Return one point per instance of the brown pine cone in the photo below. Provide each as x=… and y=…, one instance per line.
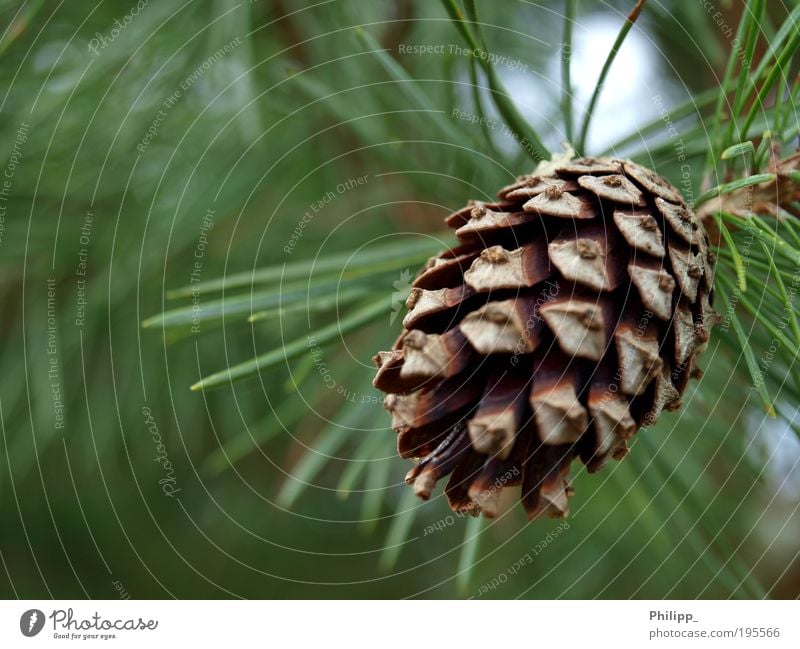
x=571, y=314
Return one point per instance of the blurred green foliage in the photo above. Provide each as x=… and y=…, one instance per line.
x=179, y=143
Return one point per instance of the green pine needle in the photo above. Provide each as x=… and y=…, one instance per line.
x=566, y=66
x=470, y=547
x=526, y=136
x=612, y=54
x=748, y=355
x=298, y=347
x=733, y=186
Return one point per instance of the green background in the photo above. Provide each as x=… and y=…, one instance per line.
x=288, y=484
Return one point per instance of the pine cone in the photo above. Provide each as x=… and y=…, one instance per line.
x=571, y=314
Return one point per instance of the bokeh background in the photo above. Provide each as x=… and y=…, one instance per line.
x=151, y=149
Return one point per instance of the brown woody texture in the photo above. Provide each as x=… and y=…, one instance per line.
x=571, y=314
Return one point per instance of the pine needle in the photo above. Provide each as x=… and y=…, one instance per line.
x=749, y=357
x=738, y=264
x=623, y=33
x=469, y=551
x=526, y=136
x=777, y=71
x=409, y=86
x=368, y=450
x=746, y=56
x=715, y=139
x=399, y=531
x=298, y=347
x=347, y=264
x=566, y=69
x=744, y=149
x=739, y=183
